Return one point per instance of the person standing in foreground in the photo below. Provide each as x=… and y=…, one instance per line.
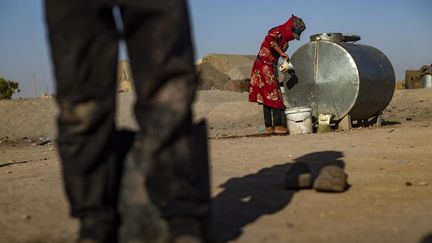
x=101, y=164
x=264, y=85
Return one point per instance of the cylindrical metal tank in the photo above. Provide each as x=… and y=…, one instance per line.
x=341, y=78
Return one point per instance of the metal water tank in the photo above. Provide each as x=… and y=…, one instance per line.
x=335, y=75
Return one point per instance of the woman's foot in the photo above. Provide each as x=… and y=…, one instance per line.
x=280, y=130
x=269, y=130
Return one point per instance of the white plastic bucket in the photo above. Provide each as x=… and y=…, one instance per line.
x=299, y=120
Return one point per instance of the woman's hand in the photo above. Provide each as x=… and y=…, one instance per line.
x=282, y=54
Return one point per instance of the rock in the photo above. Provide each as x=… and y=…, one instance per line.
x=298, y=176
x=423, y=183
x=4, y=139
x=331, y=178
x=209, y=77
x=236, y=85
x=234, y=66
x=225, y=72
x=43, y=141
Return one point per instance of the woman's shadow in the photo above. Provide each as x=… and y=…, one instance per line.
x=245, y=199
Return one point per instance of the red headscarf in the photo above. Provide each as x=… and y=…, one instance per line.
x=294, y=24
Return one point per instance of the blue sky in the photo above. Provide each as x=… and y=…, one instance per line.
x=401, y=29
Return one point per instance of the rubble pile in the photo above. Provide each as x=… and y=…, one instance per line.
x=225, y=72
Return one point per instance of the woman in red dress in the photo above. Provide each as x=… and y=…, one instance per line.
x=264, y=85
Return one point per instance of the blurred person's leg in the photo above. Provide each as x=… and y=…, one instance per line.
x=169, y=145
x=84, y=49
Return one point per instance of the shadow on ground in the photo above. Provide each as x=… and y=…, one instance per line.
x=427, y=238
x=390, y=123
x=245, y=199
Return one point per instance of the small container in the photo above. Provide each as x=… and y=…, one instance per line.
x=285, y=66
x=324, y=123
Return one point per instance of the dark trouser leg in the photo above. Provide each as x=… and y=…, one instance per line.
x=277, y=116
x=277, y=113
x=159, y=44
x=84, y=51
x=274, y=113
x=267, y=116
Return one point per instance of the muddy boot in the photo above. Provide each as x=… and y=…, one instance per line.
x=331, y=179
x=298, y=176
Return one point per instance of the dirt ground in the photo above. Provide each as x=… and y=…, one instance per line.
x=389, y=168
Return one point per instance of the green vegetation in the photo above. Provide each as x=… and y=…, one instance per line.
x=8, y=88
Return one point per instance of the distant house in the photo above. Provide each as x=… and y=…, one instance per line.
x=413, y=77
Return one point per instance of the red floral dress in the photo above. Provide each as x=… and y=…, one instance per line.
x=264, y=86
